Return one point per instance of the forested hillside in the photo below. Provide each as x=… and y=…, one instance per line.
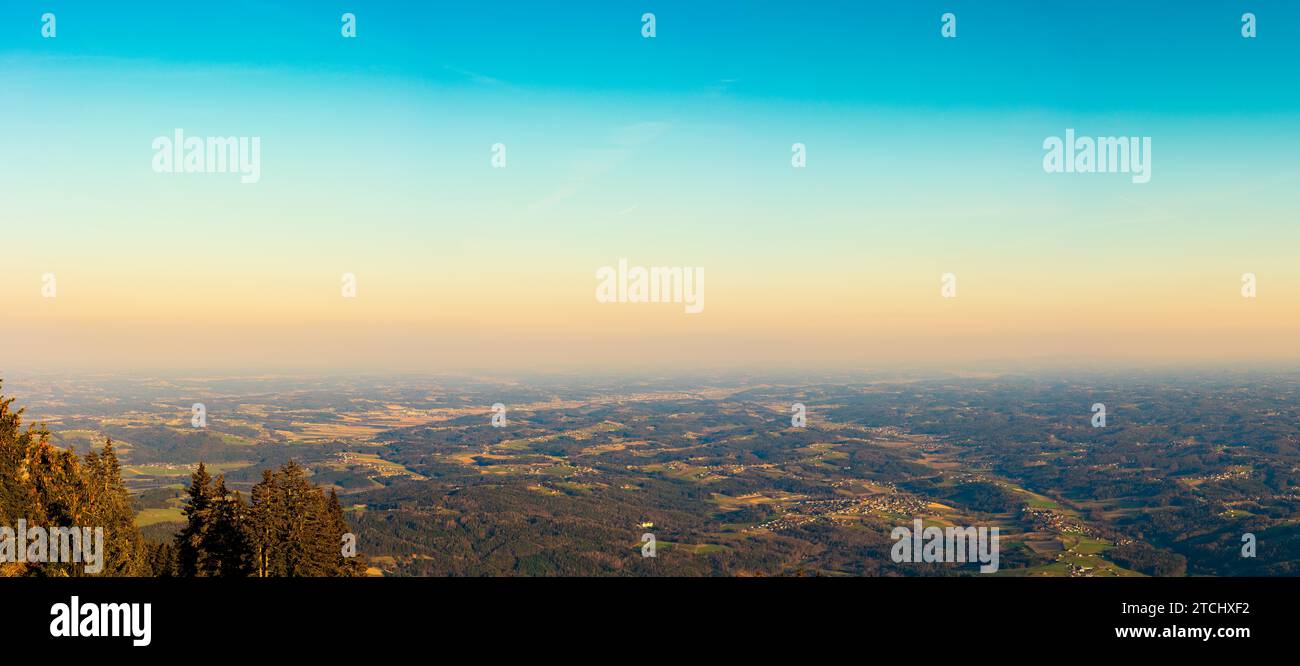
x=291, y=527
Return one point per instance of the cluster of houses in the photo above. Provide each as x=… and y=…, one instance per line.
x=378, y=467
x=1079, y=571
x=1221, y=476
x=1054, y=521
x=803, y=512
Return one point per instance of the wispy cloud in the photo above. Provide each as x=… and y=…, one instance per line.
x=591, y=164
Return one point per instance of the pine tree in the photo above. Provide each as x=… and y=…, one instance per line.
x=191, y=558
x=261, y=526
x=16, y=448
x=110, y=508
x=298, y=521
x=227, y=541
x=161, y=559
x=338, y=526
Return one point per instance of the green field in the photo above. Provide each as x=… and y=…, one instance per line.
x=149, y=517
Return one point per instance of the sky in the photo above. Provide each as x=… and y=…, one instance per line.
x=924, y=156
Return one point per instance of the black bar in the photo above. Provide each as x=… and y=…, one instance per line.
x=937, y=615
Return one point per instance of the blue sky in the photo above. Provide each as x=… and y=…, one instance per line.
x=924, y=156
x=1087, y=56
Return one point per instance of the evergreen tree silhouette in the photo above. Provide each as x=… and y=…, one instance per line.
x=191, y=556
